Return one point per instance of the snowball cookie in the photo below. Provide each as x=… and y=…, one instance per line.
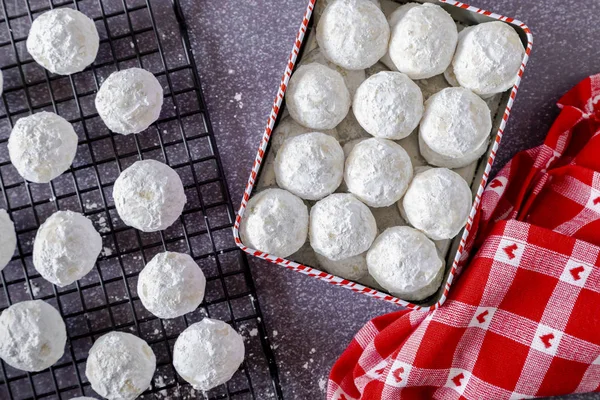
x=275, y=222
x=311, y=165
x=406, y=263
x=288, y=128
x=149, y=196
x=388, y=105
x=353, y=268
x=317, y=97
x=32, y=335
x=353, y=79
x=488, y=58
x=393, y=20
x=423, y=41
x=171, y=285
x=455, y=125
x=129, y=101
x=353, y=34
x=63, y=40
x=438, y=202
x=8, y=239
x=378, y=172
x=42, y=146
x=66, y=248
x=120, y=366
x=208, y=353
x=341, y=227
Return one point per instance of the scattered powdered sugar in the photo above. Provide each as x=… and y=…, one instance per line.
x=129, y=100
x=322, y=384
x=341, y=227
x=253, y=332
x=63, y=41
x=106, y=252
x=66, y=247
x=120, y=366
x=32, y=335
x=42, y=146
x=35, y=289
x=406, y=263
x=275, y=222
x=353, y=34
x=217, y=344
x=149, y=196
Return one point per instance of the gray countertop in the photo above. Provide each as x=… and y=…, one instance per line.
x=242, y=48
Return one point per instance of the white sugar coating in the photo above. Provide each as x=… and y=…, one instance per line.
x=423, y=41
x=341, y=227
x=129, y=101
x=288, y=128
x=393, y=20
x=353, y=79
x=66, y=248
x=388, y=105
x=120, y=366
x=64, y=41
x=438, y=202
x=440, y=160
x=378, y=172
x=488, y=58
x=455, y=124
x=406, y=263
x=353, y=268
x=208, y=353
x=32, y=335
x=42, y=146
x=317, y=97
x=311, y=165
x=353, y=34
x=149, y=196
x=349, y=129
x=275, y=222
x=8, y=239
x=171, y=285
x=321, y=4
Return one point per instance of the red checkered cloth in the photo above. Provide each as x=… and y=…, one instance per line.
x=523, y=320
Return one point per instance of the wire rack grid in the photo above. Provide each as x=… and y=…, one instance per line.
x=150, y=34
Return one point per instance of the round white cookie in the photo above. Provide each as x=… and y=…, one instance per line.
x=66, y=247
x=32, y=335
x=63, y=40
x=120, y=366
x=149, y=196
x=488, y=58
x=341, y=227
x=129, y=101
x=42, y=146
x=311, y=165
x=8, y=239
x=275, y=222
x=423, y=41
x=388, y=105
x=352, y=268
x=317, y=97
x=406, y=263
x=393, y=20
x=217, y=344
x=288, y=128
x=455, y=128
x=171, y=285
x=353, y=79
x=353, y=34
x=438, y=202
x=378, y=172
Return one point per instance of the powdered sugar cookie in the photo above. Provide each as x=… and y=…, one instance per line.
x=287, y=128
x=353, y=79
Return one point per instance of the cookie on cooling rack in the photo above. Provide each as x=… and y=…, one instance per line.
x=8, y=239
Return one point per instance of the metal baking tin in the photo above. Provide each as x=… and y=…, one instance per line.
x=462, y=13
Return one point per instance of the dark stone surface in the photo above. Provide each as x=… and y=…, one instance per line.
x=242, y=47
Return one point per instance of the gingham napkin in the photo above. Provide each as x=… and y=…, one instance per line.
x=523, y=320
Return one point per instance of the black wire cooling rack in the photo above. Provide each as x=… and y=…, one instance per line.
x=150, y=34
